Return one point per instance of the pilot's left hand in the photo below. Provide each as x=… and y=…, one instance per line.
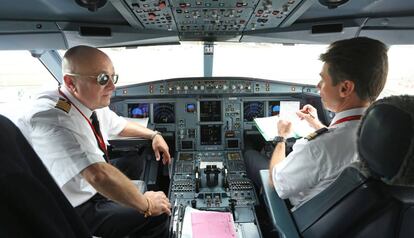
x=284, y=128
x=160, y=146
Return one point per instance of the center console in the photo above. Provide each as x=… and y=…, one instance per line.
x=214, y=181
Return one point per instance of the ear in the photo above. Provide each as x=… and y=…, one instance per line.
x=70, y=82
x=346, y=88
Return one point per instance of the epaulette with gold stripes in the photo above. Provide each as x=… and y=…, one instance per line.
x=316, y=133
x=63, y=104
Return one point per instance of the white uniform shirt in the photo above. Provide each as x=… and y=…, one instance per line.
x=65, y=141
x=313, y=165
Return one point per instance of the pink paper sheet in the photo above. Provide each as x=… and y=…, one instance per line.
x=212, y=224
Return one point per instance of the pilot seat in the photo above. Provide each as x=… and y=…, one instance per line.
x=31, y=203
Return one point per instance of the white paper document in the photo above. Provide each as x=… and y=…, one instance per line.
x=268, y=125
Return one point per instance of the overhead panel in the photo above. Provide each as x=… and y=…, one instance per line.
x=210, y=20
x=153, y=14
x=270, y=14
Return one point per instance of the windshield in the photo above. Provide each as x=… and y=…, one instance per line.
x=289, y=63
x=267, y=61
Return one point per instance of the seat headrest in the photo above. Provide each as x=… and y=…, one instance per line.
x=385, y=140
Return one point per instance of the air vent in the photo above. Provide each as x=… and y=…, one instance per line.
x=327, y=28
x=95, y=31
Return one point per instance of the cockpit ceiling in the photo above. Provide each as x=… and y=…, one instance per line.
x=59, y=24
x=207, y=19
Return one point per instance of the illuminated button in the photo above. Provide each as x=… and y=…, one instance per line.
x=185, y=87
x=151, y=16
x=178, y=88
x=202, y=87
x=195, y=87
x=162, y=5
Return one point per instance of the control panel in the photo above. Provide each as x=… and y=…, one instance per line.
x=203, y=86
x=210, y=122
x=194, y=19
x=210, y=114
x=214, y=181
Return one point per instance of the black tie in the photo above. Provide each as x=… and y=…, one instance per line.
x=95, y=124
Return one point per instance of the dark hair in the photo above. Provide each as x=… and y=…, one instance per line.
x=361, y=60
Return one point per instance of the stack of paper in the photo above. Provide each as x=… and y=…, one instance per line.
x=268, y=125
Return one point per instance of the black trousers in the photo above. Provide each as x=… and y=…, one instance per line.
x=108, y=219
x=255, y=161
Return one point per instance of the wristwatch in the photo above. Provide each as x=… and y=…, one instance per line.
x=279, y=139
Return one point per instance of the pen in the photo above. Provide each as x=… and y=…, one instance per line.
x=311, y=115
x=306, y=111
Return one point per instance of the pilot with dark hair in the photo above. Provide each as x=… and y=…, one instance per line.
x=69, y=127
x=353, y=75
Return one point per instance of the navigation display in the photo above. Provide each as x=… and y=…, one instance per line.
x=253, y=110
x=274, y=108
x=164, y=113
x=210, y=110
x=138, y=110
x=210, y=134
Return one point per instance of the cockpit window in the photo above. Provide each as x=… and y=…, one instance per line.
x=151, y=63
x=287, y=63
x=21, y=78
x=400, y=71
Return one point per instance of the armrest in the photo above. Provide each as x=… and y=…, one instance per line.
x=312, y=210
x=278, y=211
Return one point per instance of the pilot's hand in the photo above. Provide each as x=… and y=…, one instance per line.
x=159, y=203
x=284, y=128
x=160, y=146
x=310, y=114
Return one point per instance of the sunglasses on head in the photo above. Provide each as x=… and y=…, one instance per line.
x=102, y=78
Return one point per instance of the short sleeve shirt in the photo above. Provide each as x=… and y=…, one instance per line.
x=313, y=165
x=65, y=141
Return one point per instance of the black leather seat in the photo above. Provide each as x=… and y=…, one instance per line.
x=374, y=198
x=31, y=204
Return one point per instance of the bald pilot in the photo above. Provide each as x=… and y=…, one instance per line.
x=69, y=128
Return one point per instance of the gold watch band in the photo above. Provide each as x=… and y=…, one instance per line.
x=155, y=134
